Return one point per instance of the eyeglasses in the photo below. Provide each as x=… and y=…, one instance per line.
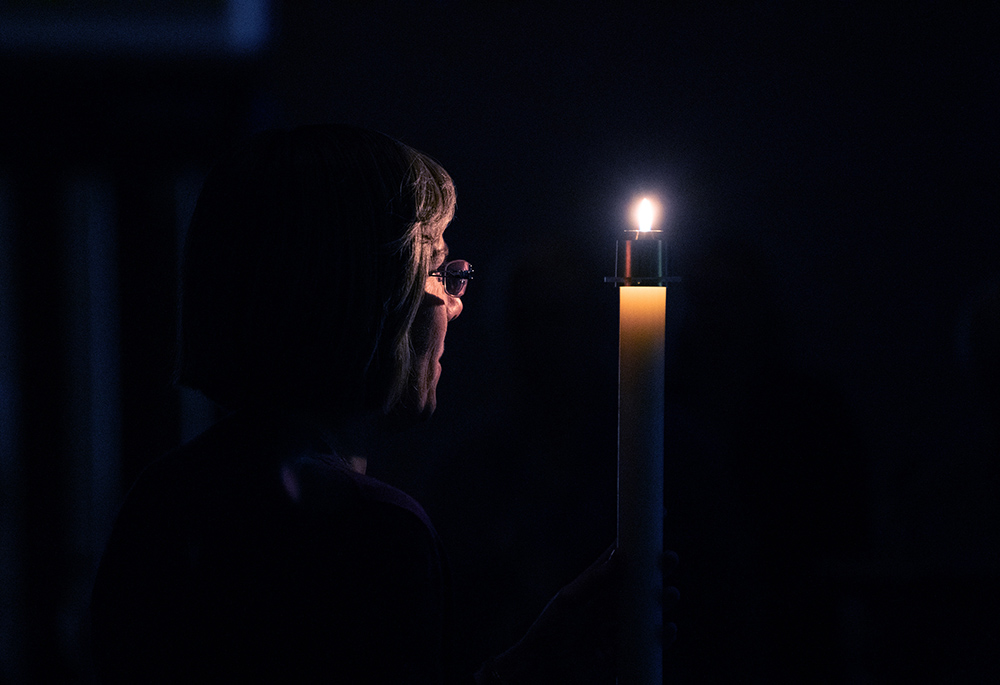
x=455, y=275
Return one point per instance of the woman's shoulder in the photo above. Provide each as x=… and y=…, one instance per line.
x=318, y=481
x=238, y=497
x=245, y=532
x=277, y=469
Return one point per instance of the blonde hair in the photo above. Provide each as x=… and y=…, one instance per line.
x=434, y=200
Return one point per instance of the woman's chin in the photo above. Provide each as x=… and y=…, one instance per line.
x=415, y=409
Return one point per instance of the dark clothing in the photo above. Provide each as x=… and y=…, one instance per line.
x=255, y=554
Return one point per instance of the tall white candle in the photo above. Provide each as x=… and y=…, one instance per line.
x=642, y=292
x=640, y=481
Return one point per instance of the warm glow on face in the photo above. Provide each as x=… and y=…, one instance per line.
x=645, y=215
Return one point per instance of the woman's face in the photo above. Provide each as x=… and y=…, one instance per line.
x=429, y=329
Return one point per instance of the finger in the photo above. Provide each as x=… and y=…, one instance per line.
x=597, y=576
x=669, y=634
x=609, y=554
x=608, y=560
x=670, y=598
x=669, y=562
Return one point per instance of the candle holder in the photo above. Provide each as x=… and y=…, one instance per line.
x=641, y=259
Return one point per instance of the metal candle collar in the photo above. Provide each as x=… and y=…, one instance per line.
x=641, y=260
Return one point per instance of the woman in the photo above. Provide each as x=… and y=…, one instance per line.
x=317, y=292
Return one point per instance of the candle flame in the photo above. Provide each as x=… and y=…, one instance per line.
x=645, y=215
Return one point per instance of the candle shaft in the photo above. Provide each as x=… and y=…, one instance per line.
x=640, y=482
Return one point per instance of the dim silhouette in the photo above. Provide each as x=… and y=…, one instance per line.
x=317, y=295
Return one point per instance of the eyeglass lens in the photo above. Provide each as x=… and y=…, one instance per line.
x=456, y=277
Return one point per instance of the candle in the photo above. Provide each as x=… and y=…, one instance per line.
x=640, y=479
x=641, y=276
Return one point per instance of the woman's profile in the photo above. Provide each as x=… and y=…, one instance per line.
x=317, y=293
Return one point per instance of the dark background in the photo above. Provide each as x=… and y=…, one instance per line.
x=830, y=184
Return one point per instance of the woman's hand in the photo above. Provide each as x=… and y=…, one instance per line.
x=573, y=639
